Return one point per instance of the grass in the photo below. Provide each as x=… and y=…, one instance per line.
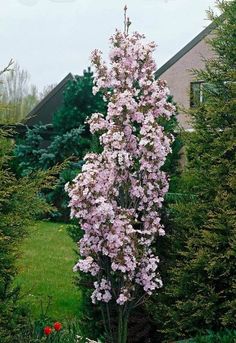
x=45, y=271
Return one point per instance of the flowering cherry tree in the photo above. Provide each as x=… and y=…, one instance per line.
x=118, y=195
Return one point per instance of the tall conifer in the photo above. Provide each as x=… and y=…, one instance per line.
x=200, y=292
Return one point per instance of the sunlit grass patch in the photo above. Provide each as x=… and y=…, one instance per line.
x=45, y=270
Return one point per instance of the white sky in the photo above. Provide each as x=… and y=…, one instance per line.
x=50, y=38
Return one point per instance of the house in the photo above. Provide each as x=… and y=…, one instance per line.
x=44, y=111
x=186, y=90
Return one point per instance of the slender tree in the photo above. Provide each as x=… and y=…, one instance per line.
x=118, y=196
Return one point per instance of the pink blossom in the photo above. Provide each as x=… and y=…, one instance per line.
x=119, y=193
x=97, y=122
x=122, y=299
x=87, y=265
x=102, y=291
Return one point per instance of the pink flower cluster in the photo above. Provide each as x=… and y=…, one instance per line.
x=87, y=266
x=118, y=195
x=102, y=291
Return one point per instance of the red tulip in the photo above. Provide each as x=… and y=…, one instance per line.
x=57, y=326
x=47, y=330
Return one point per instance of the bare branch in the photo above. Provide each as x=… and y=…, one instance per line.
x=8, y=67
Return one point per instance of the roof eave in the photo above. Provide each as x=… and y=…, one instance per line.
x=61, y=84
x=185, y=49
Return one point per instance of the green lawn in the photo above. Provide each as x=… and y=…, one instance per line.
x=45, y=270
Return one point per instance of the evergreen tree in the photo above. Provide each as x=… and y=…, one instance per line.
x=71, y=139
x=201, y=279
x=79, y=103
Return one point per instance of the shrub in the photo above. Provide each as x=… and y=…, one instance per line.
x=227, y=336
x=69, y=142
x=19, y=204
x=200, y=279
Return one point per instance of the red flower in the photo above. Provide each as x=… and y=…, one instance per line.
x=57, y=326
x=47, y=330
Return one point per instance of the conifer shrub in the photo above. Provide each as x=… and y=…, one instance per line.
x=199, y=292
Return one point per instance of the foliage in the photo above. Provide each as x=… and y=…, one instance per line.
x=46, y=329
x=226, y=336
x=18, y=205
x=79, y=104
x=200, y=259
x=118, y=195
x=42, y=330
x=71, y=139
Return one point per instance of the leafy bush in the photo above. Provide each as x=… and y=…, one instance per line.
x=226, y=336
x=199, y=292
x=19, y=204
